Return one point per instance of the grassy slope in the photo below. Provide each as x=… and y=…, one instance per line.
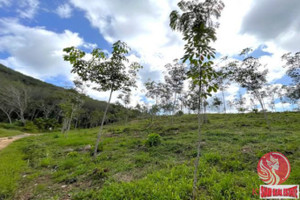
x=7, y=132
x=54, y=167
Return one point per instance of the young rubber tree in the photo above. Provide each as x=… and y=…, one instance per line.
x=249, y=76
x=154, y=91
x=196, y=22
x=240, y=102
x=175, y=80
x=293, y=65
x=125, y=98
x=223, y=84
x=217, y=103
x=70, y=106
x=109, y=73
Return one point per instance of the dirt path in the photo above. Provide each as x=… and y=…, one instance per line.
x=5, y=141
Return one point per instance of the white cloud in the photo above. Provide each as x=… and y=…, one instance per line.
x=35, y=51
x=27, y=8
x=143, y=25
x=5, y=3
x=64, y=11
x=229, y=40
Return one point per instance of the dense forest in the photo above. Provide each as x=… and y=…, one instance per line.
x=38, y=106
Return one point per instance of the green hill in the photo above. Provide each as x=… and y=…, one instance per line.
x=44, y=100
x=8, y=75
x=51, y=166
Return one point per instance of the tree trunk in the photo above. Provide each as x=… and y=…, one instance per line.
x=102, y=123
x=224, y=102
x=8, y=115
x=263, y=107
x=198, y=146
x=70, y=120
x=9, y=119
x=173, y=108
x=21, y=115
x=76, y=123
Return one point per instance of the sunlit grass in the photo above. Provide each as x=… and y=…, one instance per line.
x=127, y=167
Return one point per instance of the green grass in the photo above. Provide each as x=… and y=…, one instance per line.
x=8, y=133
x=11, y=167
x=128, y=167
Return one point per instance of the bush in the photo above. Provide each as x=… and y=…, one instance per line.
x=100, y=149
x=179, y=113
x=153, y=139
x=73, y=154
x=45, y=124
x=30, y=127
x=255, y=110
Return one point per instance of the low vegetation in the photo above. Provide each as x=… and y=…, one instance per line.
x=51, y=166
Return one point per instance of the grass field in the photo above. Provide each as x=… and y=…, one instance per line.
x=8, y=133
x=52, y=166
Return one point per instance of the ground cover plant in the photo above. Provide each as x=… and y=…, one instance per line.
x=51, y=166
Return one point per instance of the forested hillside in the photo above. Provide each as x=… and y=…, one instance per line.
x=36, y=105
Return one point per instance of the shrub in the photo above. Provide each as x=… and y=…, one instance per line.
x=30, y=127
x=153, y=139
x=73, y=154
x=45, y=162
x=100, y=149
x=45, y=124
x=179, y=113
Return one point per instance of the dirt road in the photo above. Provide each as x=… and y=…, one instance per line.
x=5, y=141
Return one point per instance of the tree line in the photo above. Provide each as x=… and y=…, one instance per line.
x=29, y=102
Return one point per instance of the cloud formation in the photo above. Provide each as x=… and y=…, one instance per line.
x=274, y=20
x=143, y=25
x=64, y=11
x=35, y=51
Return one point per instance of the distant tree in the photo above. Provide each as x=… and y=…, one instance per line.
x=248, y=75
x=17, y=97
x=109, y=73
x=217, y=103
x=223, y=83
x=231, y=103
x=196, y=23
x=175, y=80
x=70, y=107
x=191, y=101
x=253, y=105
x=125, y=98
x=240, y=102
x=166, y=100
x=7, y=109
x=293, y=65
x=272, y=92
x=155, y=91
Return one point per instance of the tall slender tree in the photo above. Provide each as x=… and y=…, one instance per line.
x=175, y=80
x=110, y=73
x=249, y=76
x=196, y=23
x=293, y=65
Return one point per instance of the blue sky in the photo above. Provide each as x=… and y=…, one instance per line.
x=34, y=32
